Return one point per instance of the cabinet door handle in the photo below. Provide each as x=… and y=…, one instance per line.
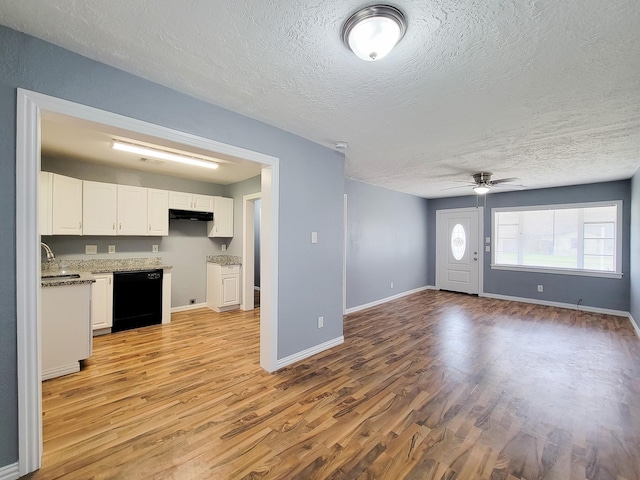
x=114, y=225
x=149, y=227
x=121, y=226
x=109, y=280
x=79, y=224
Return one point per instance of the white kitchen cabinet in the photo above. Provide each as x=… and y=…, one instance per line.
x=157, y=212
x=65, y=328
x=132, y=210
x=60, y=205
x=102, y=301
x=223, y=287
x=190, y=201
x=99, y=208
x=222, y=224
x=202, y=203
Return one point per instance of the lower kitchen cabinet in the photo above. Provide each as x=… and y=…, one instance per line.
x=223, y=287
x=102, y=303
x=65, y=328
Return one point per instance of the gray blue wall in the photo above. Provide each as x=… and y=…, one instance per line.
x=387, y=240
x=634, y=301
x=311, y=192
x=596, y=292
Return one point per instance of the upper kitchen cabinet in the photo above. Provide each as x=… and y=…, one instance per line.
x=132, y=210
x=99, y=208
x=190, y=201
x=158, y=212
x=222, y=225
x=60, y=205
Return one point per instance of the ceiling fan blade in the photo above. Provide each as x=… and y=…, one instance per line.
x=512, y=186
x=460, y=186
x=504, y=180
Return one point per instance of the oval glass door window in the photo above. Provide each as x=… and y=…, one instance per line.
x=458, y=242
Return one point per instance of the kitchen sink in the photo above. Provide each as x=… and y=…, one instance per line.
x=67, y=276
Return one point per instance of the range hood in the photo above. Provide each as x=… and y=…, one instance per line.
x=189, y=215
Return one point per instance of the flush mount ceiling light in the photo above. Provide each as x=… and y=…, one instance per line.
x=371, y=33
x=162, y=154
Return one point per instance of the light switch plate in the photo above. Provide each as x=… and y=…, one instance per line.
x=224, y=247
x=112, y=249
x=487, y=248
x=154, y=248
x=487, y=239
x=314, y=237
x=90, y=249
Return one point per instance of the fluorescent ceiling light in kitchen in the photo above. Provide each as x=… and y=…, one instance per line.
x=162, y=154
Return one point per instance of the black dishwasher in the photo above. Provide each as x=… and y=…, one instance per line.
x=137, y=299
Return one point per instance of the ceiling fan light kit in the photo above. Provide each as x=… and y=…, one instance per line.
x=372, y=32
x=481, y=189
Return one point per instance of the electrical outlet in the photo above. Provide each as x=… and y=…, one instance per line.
x=540, y=288
x=320, y=322
x=192, y=301
x=154, y=248
x=314, y=237
x=90, y=249
x=224, y=247
x=112, y=249
x=487, y=239
x=487, y=248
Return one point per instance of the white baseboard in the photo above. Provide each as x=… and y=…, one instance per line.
x=634, y=325
x=9, y=472
x=571, y=306
x=387, y=299
x=186, y=308
x=309, y=352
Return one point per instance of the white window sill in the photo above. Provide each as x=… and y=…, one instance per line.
x=557, y=271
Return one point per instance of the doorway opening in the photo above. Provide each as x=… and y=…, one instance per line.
x=31, y=106
x=251, y=233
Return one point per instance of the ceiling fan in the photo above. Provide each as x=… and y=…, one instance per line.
x=482, y=183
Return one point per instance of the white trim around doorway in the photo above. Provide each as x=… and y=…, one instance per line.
x=30, y=106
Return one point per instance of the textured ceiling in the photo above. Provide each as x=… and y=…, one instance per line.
x=547, y=91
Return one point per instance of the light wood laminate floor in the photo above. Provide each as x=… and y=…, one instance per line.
x=432, y=386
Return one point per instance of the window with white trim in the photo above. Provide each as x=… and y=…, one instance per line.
x=580, y=239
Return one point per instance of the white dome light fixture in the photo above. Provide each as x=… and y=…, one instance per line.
x=481, y=189
x=371, y=33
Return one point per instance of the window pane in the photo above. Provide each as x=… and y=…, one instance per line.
x=594, y=246
x=458, y=242
x=600, y=214
x=599, y=263
x=599, y=230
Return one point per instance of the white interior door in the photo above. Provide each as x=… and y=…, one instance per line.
x=458, y=250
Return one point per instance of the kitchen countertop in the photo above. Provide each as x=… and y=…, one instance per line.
x=56, y=282
x=224, y=259
x=85, y=268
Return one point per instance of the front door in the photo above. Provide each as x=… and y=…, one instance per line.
x=457, y=250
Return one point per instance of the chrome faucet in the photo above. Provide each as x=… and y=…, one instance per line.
x=50, y=255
